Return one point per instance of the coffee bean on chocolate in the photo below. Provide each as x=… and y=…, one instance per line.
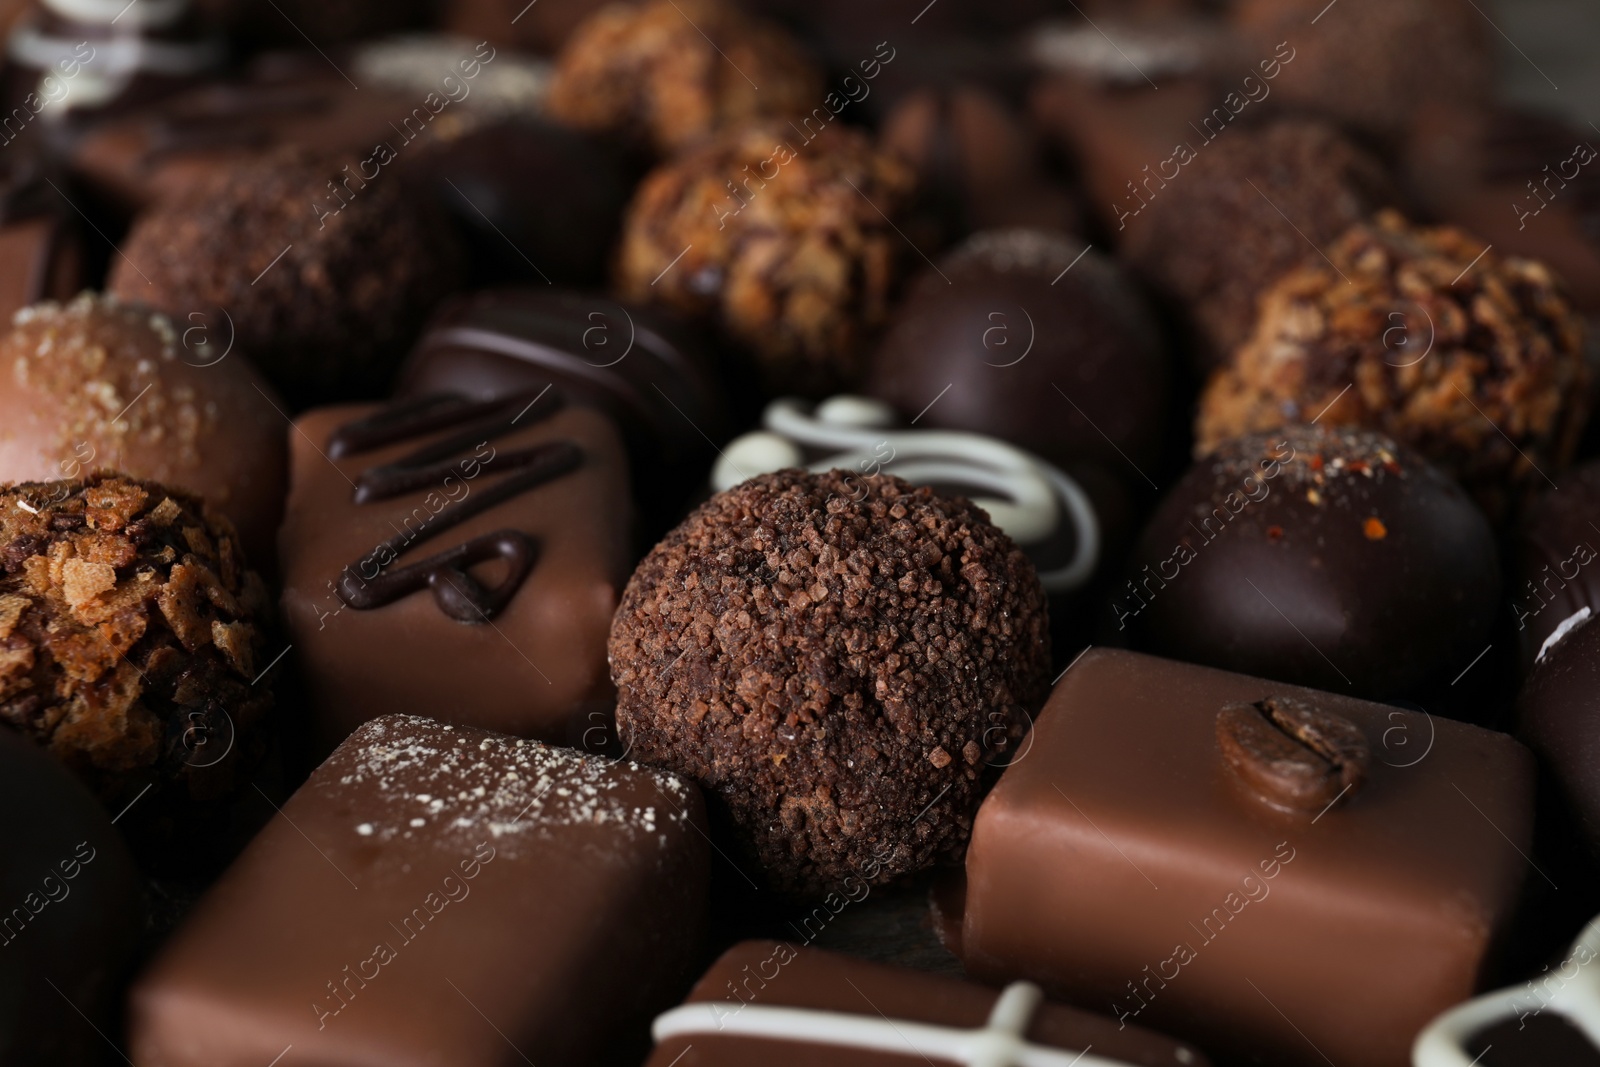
x=1319, y=555
x=1293, y=754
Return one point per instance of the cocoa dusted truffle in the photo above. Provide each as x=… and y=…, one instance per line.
x=785, y=243
x=326, y=276
x=130, y=636
x=97, y=383
x=1473, y=359
x=1319, y=555
x=836, y=658
x=668, y=73
x=1244, y=208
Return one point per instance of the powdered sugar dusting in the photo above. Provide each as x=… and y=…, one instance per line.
x=425, y=780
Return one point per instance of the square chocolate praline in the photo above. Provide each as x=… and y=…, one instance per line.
x=536, y=667
x=439, y=896
x=1122, y=864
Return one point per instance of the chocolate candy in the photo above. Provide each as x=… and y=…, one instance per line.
x=1033, y=337
x=837, y=658
x=1156, y=850
x=99, y=383
x=1428, y=335
x=71, y=911
x=637, y=365
x=1322, y=556
x=489, y=535
x=439, y=895
x=774, y=1002
x=1557, y=547
x=1556, y=718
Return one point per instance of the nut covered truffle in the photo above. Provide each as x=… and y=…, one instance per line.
x=1474, y=360
x=837, y=659
x=130, y=635
x=785, y=243
x=326, y=277
x=671, y=72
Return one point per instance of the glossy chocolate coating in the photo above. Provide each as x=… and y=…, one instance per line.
x=1557, y=717
x=639, y=366
x=1557, y=569
x=1056, y=356
x=1119, y=863
x=779, y=974
x=70, y=917
x=439, y=896
x=1331, y=558
x=544, y=490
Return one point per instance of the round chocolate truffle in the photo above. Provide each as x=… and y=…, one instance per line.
x=834, y=658
x=668, y=73
x=1556, y=718
x=1030, y=336
x=98, y=383
x=325, y=275
x=785, y=243
x=1245, y=209
x=130, y=638
x=1557, y=559
x=1359, y=65
x=1319, y=555
x=1473, y=359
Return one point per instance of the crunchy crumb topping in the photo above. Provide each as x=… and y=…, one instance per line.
x=453, y=786
x=1473, y=359
x=833, y=657
x=126, y=620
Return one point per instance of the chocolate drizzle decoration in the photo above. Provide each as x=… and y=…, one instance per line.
x=447, y=574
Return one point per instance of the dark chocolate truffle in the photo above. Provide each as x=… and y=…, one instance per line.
x=97, y=383
x=1246, y=207
x=833, y=658
x=1473, y=359
x=129, y=630
x=668, y=73
x=977, y=166
x=1556, y=717
x=1032, y=337
x=1319, y=555
x=786, y=243
x=1358, y=64
x=72, y=915
x=326, y=276
x=1558, y=545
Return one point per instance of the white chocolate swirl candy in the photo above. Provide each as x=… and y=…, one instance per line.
x=1025, y=496
x=1576, y=998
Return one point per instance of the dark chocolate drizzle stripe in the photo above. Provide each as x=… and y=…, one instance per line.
x=457, y=592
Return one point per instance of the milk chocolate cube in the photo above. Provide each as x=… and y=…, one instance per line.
x=442, y=896
x=1285, y=875
x=460, y=557
x=785, y=1005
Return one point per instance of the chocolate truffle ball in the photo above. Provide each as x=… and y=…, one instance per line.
x=1556, y=718
x=1028, y=336
x=130, y=636
x=97, y=383
x=325, y=276
x=833, y=658
x=1359, y=64
x=1473, y=359
x=977, y=166
x=785, y=243
x=1320, y=555
x=668, y=73
x=1244, y=209
x=1557, y=559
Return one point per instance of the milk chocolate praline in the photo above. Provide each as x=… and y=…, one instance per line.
x=832, y=658
x=324, y=276
x=1325, y=556
x=98, y=383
